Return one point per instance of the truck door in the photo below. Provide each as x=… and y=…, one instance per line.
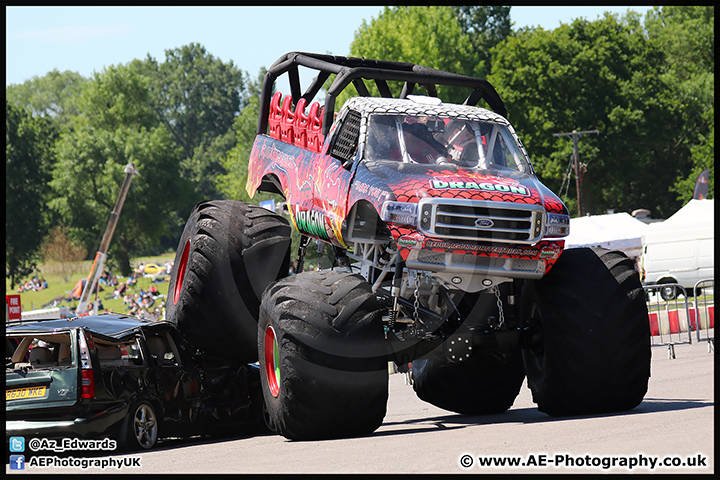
x=331, y=178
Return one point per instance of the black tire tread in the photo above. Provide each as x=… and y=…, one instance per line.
x=218, y=307
x=333, y=362
x=596, y=354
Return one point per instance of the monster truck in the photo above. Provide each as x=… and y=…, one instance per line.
x=448, y=255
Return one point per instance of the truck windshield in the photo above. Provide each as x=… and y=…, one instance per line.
x=437, y=140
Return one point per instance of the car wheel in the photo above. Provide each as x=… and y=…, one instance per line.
x=142, y=426
x=323, y=365
x=669, y=293
x=228, y=253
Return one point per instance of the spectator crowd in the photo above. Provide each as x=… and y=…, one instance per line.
x=36, y=284
x=148, y=303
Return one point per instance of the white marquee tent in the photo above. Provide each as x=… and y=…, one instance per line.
x=616, y=231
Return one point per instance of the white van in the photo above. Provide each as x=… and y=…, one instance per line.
x=680, y=249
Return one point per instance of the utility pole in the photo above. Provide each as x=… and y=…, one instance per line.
x=575, y=136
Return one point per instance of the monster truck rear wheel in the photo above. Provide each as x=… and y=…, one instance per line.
x=323, y=364
x=228, y=253
x=483, y=384
x=594, y=352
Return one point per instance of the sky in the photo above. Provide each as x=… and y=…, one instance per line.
x=89, y=39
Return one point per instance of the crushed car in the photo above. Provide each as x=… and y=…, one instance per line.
x=120, y=377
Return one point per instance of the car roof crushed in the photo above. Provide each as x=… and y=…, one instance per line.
x=111, y=326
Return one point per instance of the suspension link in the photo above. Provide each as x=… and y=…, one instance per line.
x=302, y=249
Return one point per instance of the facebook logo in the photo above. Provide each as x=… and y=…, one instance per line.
x=17, y=444
x=17, y=462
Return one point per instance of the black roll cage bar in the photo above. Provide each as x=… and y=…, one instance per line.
x=354, y=70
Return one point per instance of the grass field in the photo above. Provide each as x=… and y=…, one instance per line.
x=58, y=287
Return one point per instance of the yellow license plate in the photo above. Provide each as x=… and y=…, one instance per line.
x=23, y=393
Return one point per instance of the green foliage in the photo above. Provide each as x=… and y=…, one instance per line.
x=55, y=96
x=687, y=34
x=197, y=96
x=172, y=120
x=60, y=254
x=28, y=156
x=429, y=36
x=232, y=182
x=486, y=26
x=87, y=179
x=703, y=156
x=603, y=75
x=118, y=97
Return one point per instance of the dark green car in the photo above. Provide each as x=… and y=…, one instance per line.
x=119, y=377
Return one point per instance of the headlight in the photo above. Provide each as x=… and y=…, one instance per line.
x=400, y=212
x=557, y=225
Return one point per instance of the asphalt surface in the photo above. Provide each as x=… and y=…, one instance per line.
x=673, y=425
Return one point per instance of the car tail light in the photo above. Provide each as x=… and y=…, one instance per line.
x=87, y=384
x=87, y=377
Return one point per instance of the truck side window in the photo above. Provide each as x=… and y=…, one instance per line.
x=345, y=142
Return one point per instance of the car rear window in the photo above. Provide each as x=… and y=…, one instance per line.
x=40, y=351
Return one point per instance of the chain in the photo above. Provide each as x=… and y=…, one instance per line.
x=417, y=298
x=494, y=289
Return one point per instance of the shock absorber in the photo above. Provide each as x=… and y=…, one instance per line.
x=302, y=249
x=395, y=293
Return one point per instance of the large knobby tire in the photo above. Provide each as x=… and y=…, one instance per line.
x=228, y=254
x=593, y=355
x=481, y=385
x=323, y=363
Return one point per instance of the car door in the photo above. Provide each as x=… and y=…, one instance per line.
x=176, y=381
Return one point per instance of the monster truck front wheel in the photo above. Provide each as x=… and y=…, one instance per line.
x=228, y=253
x=593, y=355
x=323, y=364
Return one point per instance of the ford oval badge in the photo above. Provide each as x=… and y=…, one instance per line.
x=484, y=223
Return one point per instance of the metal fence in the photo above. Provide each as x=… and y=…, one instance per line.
x=702, y=315
x=673, y=317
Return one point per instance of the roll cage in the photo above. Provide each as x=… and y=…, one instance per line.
x=356, y=70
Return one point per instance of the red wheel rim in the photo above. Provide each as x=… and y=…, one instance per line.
x=181, y=272
x=272, y=361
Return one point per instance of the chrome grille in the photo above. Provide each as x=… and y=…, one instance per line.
x=481, y=220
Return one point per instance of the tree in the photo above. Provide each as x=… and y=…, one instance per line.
x=117, y=127
x=28, y=156
x=60, y=253
x=687, y=35
x=197, y=96
x=54, y=95
x=604, y=75
x=87, y=178
x=118, y=97
x=429, y=36
x=486, y=26
x=703, y=157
